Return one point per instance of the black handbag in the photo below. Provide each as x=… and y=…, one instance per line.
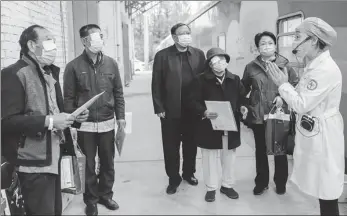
x=291, y=136
x=15, y=198
x=7, y=172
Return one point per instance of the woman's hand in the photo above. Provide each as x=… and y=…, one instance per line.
x=278, y=101
x=244, y=112
x=278, y=77
x=210, y=115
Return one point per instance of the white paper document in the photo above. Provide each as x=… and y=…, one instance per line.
x=86, y=105
x=225, y=120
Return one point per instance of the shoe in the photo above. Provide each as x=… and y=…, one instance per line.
x=230, y=192
x=210, y=196
x=191, y=180
x=281, y=190
x=110, y=204
x=91, y=209
x=171, y=189
x=259, y=190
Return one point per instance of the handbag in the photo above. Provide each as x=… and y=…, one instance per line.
x=74, y=168
x=277, y=127
x=291, y=136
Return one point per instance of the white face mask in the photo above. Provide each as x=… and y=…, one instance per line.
x=218, y=65
x=49, y=53
x=268, y=50
x=184, y=40
x=96, y=43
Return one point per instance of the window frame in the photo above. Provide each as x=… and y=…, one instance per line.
x=279, y=22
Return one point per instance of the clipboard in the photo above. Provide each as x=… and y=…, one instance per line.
x=86, y=105
x=226, y=119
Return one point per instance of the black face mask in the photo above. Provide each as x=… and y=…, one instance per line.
x=295, y=51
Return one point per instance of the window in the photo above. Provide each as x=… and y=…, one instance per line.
x=288, y=23
x=286, y=32
x=221, y=41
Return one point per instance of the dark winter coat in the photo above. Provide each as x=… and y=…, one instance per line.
x=207, y=87
x=167, y=79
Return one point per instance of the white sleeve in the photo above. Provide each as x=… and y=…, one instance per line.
x=310, y=92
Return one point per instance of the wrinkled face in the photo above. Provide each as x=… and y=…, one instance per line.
x=45, y=41
x=303, y=43
x=267, y=46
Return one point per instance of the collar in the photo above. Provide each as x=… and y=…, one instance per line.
x=99, y=58
x=315, y=62
x=174, y=50
x=32, y=62
x=210, y=75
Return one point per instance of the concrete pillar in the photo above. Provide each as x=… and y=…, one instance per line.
x=146, y=41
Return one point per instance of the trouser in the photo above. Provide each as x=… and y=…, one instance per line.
x=41, y=193
x=175, y=131
x=98, y=187
x=210, y=166
x=329, y=207
x=262, y=164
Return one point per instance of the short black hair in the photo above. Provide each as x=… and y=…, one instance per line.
x=175, y=27
x=27, y=35
x=84, y=29
x=258, y=37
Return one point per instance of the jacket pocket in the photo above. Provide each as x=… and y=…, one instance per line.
x=83, y=81
x=106, y=82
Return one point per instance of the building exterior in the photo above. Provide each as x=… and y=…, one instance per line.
x=64, y=18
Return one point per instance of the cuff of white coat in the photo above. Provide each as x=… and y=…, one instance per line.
x=285, y=87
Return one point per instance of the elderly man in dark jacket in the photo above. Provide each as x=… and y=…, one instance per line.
x=173, y=70
x=217, y=84
x=33, y=121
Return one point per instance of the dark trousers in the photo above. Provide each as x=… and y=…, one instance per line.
x=329, y=207
x=175, y=131
x=98, y=187
x=262, y=163
x=41, y=193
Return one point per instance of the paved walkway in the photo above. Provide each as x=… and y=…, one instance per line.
x=141, y=180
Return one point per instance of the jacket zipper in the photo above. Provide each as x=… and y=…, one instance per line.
x=97, y=119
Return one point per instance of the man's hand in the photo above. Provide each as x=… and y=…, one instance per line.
x=83, y=116
x=210, y=115
x=279, y=102
x=121, y=123
x=278, y=77
x=244, y=112
x=161, y=115
x=62, y=121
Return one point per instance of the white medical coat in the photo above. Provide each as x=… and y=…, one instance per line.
x=318, y=155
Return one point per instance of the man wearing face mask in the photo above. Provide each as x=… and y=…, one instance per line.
x=217, y=84
x=33, y=121
x=173, y=70
x=319, y=141
x=86, y=76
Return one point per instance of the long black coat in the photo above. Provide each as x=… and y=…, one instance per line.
x=207, y=87
x=167, y=79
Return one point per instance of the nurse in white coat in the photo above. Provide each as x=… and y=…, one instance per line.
x=319, y=142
